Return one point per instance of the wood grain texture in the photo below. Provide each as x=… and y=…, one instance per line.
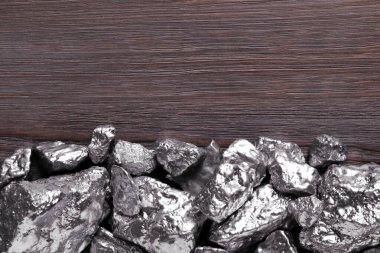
x=193, y=70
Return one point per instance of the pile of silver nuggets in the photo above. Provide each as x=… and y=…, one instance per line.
x=116, y=196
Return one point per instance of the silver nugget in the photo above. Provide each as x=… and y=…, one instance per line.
x=265, y=212
x=325, y=150
x=306, y=210
x=17, y=166
x=101, y=140
x=278, y=241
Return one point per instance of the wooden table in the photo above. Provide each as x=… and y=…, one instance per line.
x=192, y=70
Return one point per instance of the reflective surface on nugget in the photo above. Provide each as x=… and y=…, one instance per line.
x=166, y=223
x=17, y=166
x=292, y=177
x=125, y=192
x=240, y=171
x=58, y=157
x=325, y=150
x=207, y=249
x=101, y=139
x=194, y=180
x=105, y=242
x=278, y=241
x=270, y=148
x=306, y=210
x=265, y=212
x=350, y=220
x=58, y=214
x=176, y=156
x=134, y=157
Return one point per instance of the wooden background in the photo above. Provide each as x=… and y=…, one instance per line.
x=193, y=69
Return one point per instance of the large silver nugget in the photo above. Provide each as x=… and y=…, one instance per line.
x=17, y=166
x=176, y=157
x=101, y=139
x=325, y=150
x=278, y=241
x=292, y=177
x=240, y=171
x=58, y=157
x=306, y=210
x=59, y=214
x=207, y=249
x=105, y=242
x=125, y=192
x=350, y=220
x=195, y=180
x=134, y=157
x=265, y=212
x=166, y=223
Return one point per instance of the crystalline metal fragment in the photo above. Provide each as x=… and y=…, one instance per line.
x=240, y=171
x=306, y=210
x=207, y=249
x=166, y=223
x=265, y=212
x=278, y=241
x=58, y=157
x=125, y=193
x=325, y=150
x=288, y=176
x=17, y=166
x=105, y=242
x=350, y=220
x=57, y=214
x=102, y=137
x=193, y=181
x=176, y=157
x=134, y=157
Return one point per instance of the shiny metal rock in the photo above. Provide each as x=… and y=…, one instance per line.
x=278, y=241
x=58, y=214
x=134, y=157
x=240, y=171
x=17, y=166
x=350, y=220
x=306, y=210
x=166, y=223
x=58, y=157
x=101, y=139
x=176, y=157
x=105, y=242
x=265, y=212
x=194, y=180
x=207, y=249
x=325, y=150
x=292, y=177
x=270, y=148
x=125, y=192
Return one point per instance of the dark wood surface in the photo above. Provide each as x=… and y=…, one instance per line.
x=193, y=70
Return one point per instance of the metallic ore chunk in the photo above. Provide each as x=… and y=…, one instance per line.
x=277, y=242
x=288, y=176
x=125, y=193
x=134, y=157
x=306, y=210
x=270, y=148
x=176, y=157
x=195, y=180
x=17, y=166
x=206, y=249
x=167, y=221
x=57, y=214
x=265, y=212
x=60, y=157
x=105, y=242
x=102, y=137
x=350, y=220
x=325, y=150
x=240, y=171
